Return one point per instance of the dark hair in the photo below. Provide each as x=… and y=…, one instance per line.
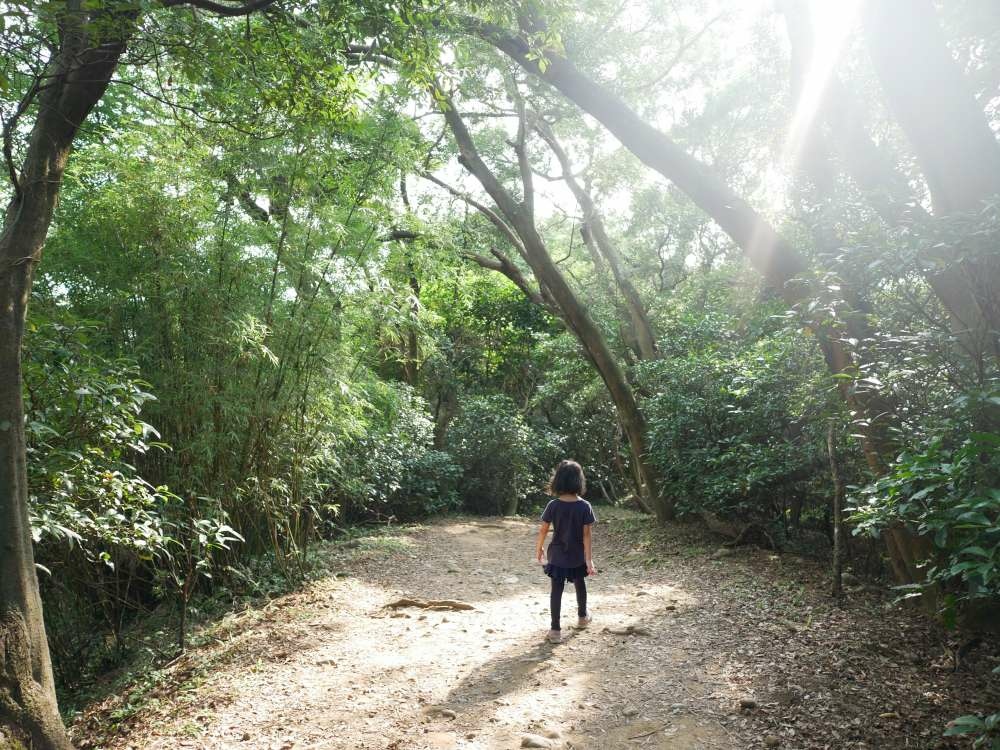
x=567, y=478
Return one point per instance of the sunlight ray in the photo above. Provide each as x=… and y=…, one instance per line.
x=831, y=25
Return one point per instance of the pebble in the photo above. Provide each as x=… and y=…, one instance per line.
x=535, y=740
x=747, y=704
x=771, y=741
x=550, y=732
x=630, y=711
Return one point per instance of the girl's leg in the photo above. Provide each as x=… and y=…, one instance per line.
x=581, y=596
x=555, y=600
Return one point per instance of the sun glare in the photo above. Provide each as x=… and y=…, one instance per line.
x=831, y=24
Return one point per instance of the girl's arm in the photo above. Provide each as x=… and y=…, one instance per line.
x=586, y=549
x=542, y=531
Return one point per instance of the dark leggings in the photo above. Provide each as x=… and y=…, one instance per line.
x=555, y=599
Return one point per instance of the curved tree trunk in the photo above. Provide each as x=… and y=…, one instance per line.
x=595, y=235
x=518, y=224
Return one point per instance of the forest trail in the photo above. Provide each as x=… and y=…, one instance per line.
x=332, y=666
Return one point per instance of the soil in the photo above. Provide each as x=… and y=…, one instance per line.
x=691, y=646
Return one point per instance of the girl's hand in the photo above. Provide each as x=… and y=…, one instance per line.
x=591, y=570
x=539, y=557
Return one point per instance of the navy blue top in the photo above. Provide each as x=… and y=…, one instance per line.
x=568, y=517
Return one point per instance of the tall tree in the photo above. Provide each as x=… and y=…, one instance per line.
x=957, y=150
x=88, y=42
x=517, y=223
x=774, y=257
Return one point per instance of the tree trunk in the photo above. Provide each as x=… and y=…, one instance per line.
x=28, y=710
x=957, y=151
x=74, y=82
x=521, y=229
x=595, y=235
x=838, y=515
x=411, y=357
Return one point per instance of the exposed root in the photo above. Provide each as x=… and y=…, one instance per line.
x=440, y=605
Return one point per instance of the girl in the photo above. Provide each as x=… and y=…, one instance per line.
x=569, y=555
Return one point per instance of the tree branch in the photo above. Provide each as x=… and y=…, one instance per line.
x=8, y=134
x=520, y=148
x=489, y=213
x=220, y=9
x=501, y=263
x=595, y=234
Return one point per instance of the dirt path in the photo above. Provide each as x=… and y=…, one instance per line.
x=334, y=667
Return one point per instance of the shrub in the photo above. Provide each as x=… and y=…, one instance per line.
x=392, y=470
x=947, y=490
x=732, y=425
x=501, y=455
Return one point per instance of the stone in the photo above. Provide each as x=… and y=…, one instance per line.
x=535, y=740
x=747, y=704
x=722, y=552
x=549, y=731
x=630, y=711
x=771, y=741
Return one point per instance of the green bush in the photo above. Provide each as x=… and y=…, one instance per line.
x=103, y=535
x=947, y=490
x=392, y=470
x=733, y=421
x=502, y=457
x=983, y=730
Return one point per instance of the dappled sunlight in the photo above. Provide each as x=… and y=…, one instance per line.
x=399, y=649
x=336, y=659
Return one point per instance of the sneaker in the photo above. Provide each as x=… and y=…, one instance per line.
x=583, y=622
x=555, y=636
